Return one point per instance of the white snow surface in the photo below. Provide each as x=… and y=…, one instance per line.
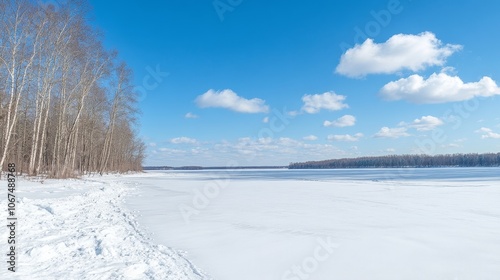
x=252, y=228
x=80, y=229
x=256, y=228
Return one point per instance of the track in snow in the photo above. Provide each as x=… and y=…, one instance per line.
x=87, y=234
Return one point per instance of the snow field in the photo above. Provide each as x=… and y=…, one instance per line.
x=269, y=229
x=249, y=226
x=79, y=229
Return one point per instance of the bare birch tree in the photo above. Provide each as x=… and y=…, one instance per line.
x=67, y=106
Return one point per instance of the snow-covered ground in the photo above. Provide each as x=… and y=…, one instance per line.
x=251, y=227
x=79, y=229
x=257, y=227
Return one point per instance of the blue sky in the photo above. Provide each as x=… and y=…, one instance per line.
x=272, y=82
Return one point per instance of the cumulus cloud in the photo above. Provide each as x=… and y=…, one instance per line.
x=345, y=137
x=310, y=138
x=347, y=120
x=228, y=99
x=438, y=88
x=400, y=52
x=183, y=140
x=425, y=123
x=190, y=116
x=488, y=133
x=328, y=101
x=386, y=132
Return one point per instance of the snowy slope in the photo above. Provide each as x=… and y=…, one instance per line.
x=79, y=229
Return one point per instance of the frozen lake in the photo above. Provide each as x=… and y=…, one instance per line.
x=474, y=174
x=439, y=223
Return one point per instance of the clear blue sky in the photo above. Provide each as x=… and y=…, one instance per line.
x=425, y=81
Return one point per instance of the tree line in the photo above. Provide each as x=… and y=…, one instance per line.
x=401, y=161
x=67, y=105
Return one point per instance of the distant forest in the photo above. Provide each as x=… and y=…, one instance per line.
x=450, y=160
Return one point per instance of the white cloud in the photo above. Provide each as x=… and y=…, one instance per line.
x=196, y=151
x=386, y=132
x=438, y=88
x=265, y=120
x=450, y=145
x=454, y=144
x=449, y=70
x=310, y=138
x=230, y=100
x=488, y=133
x=425, y=123
x=246, y=151
x=172, y=151
x=280, y=147
x=400, y=52
x=345, y=137
x=328, y=101
x=152, y=144
x=183, y=140
x=286, y=141
x=262, y=140
x=190, y=116
x=390, y=150
x=347, y=120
